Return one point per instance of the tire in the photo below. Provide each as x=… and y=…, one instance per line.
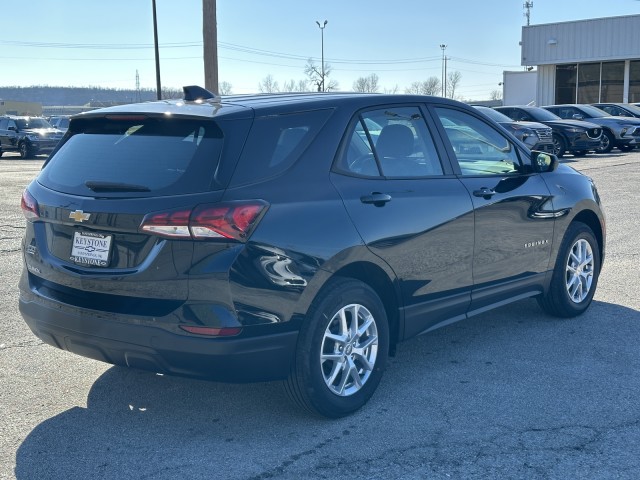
x=559, y=146
x=626, y=148
x=330, y=356
x=580, y=153
x=606, y=145
x=575, y=275
x=25, y=151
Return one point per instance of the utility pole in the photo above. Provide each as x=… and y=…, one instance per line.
x=210, y=45
x=528, y=6
x=155, y=42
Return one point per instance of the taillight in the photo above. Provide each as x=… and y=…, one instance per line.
x=211, y=331
x=233, y=220
x=29, y=206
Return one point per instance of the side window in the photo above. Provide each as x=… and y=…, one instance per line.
x=3, y=123
x=479, y=148
x=391, y=142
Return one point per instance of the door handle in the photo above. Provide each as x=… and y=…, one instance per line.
x=377, y=198
x=484, y=192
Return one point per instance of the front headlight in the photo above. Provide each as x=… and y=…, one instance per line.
x=33, y=138
x=576, y=130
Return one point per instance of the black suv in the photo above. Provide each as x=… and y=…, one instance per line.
x=28, y=135
x=573, y=136
x=295, y=237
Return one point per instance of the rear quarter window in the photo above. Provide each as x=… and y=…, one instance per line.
x=275, y=142
x=157, y=156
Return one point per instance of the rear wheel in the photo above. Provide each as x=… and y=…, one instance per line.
x=342, y=350
x=559, y=146
x=575, y=275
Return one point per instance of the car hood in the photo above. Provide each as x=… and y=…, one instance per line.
x=43, y=132
x=615, y=121
x=571, y=123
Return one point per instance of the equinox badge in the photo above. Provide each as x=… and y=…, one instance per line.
x=79, y=216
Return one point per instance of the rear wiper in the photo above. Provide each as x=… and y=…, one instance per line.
x=115, y=187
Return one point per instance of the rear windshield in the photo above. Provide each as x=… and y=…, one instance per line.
x=136, y=156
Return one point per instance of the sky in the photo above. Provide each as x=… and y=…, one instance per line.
x=87, y=43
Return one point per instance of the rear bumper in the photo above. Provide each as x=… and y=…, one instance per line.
x=107, y=338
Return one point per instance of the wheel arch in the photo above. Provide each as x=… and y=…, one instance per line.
x=385, y=288
x=589, y=218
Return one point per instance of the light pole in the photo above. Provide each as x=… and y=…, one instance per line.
x=321, y=27
x=444, y=78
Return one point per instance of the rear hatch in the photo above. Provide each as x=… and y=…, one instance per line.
x=113, y=205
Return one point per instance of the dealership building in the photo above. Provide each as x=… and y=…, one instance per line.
x=585, y=61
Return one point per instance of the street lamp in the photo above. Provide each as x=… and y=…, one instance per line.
x=321, y=27
x=444, y=78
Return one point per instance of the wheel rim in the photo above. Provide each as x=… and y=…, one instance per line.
x=604, y=143
x=557, y=146
x=579, y=273
x=349, y=350
x=23, y=150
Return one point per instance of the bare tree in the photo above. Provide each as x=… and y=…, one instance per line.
x=225, y=88
x=495, y=95
x=368, y=84
x=430, y=86
x=316, y=77
x=453, y=80
x=210, y=45
x=268, y=85
x=393, y=90
x=299, y=86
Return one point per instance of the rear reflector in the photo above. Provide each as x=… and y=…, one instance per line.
x=212, y=332
x=232, y=220
x=29, y=206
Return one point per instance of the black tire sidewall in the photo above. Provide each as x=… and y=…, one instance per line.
x=558, y=299
x=308, y=366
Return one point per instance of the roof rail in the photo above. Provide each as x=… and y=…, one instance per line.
x=193, y=93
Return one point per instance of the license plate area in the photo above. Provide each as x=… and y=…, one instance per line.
x=91, y=249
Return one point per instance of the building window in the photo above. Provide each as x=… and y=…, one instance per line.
x=612, y=82
x=566, y=76
x=634, y=82
x=588, y=82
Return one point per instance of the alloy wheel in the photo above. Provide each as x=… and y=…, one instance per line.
x=579, y=271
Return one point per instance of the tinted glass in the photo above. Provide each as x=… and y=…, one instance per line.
x=139, y=157
x=612, y=89
x=566, y=80
x=588, y=82
x=478, y=147
x=634, y=81
x=392, y=142
x=275, y=143
x=24, y=123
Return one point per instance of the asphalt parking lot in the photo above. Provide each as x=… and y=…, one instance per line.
x=509, y=394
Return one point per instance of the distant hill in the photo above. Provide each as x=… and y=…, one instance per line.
x=81, y=95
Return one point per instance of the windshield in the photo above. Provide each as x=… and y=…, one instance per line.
x=494, y=114
x=593, y=112
x=542, y=115
x=25, y=123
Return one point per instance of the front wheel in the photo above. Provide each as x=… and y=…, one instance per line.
x=575, y=275
x=25, y=151
x=342, y=350
x=606, y=144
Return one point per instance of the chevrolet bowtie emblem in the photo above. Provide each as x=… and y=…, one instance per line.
x=79, y=216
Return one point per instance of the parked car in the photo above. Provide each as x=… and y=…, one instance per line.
x=61, y=122
x=620, y=132
x=28, y=135
x=574, y=136
x=272, y=237
x=534, y=135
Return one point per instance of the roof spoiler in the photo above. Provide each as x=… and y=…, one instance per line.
x=194, y=93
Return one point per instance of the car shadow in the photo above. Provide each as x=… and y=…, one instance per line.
x=143, y=425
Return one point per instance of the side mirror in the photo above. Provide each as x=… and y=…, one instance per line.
x=12, y=128
x=578, y=116
x=544, y=162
